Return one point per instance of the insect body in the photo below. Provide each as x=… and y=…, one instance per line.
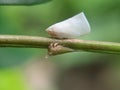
x=75, y=26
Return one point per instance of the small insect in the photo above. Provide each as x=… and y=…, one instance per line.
x=72, y=27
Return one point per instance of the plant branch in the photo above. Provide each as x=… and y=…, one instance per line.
x=71, y=44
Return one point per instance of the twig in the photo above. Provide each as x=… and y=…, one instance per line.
x=71, y=44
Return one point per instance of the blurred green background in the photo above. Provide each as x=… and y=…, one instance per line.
x=103, y=16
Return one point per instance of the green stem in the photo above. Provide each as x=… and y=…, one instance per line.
x=75, y=44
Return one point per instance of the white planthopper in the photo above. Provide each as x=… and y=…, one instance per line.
x=75, y=26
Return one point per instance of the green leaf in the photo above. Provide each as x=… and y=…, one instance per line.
x=22, y=2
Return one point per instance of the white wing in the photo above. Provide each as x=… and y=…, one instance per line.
x=72, y=27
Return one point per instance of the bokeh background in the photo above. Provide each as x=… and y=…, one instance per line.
x=85, y=70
